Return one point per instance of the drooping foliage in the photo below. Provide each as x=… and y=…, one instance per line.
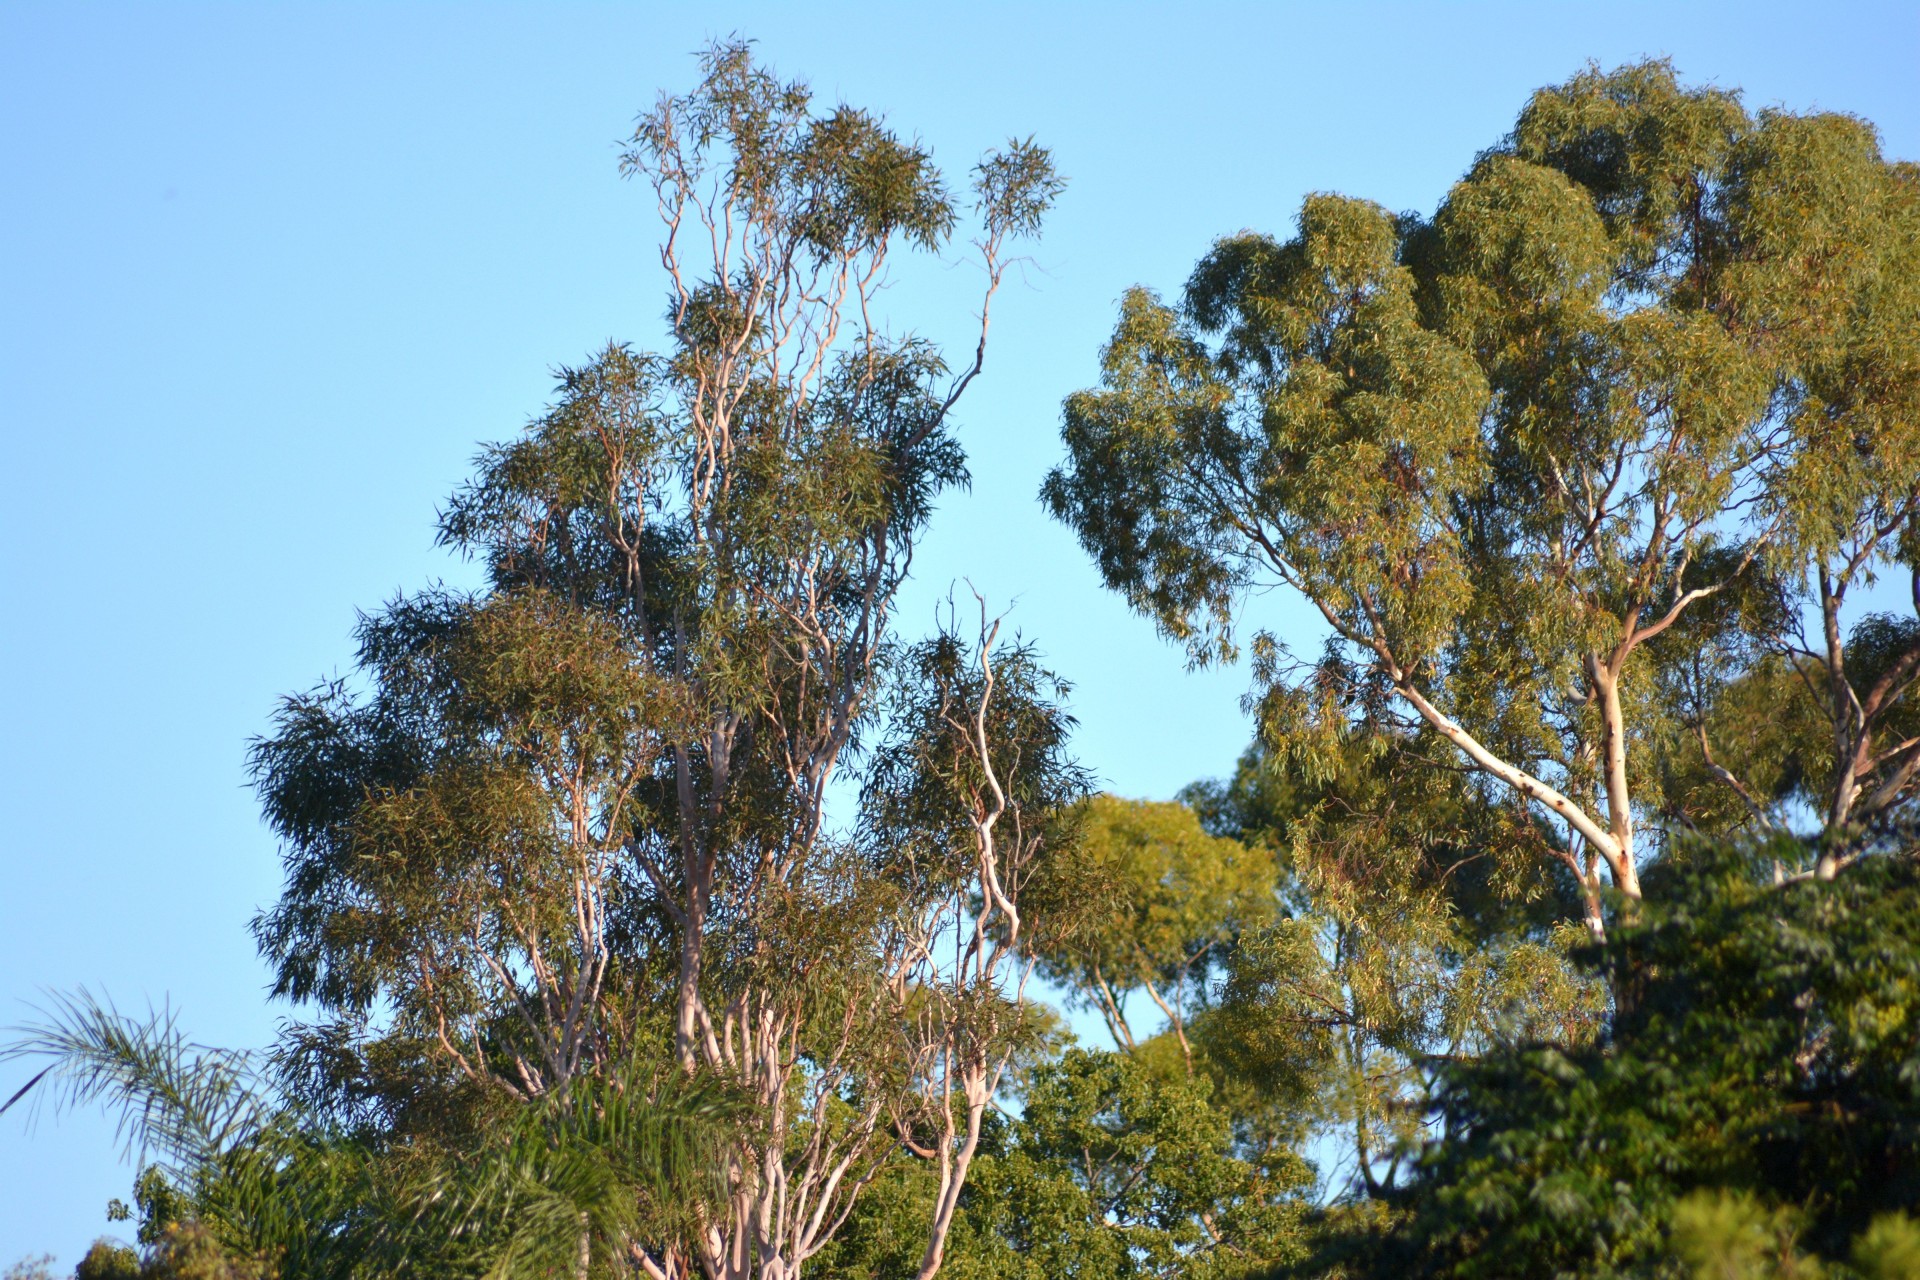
x=1397, y=947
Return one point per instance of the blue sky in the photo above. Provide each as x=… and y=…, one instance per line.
x=270, y=273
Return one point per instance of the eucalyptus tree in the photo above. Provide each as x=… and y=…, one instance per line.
x=1825, y=276
x=585, y=808
x=1646, y=377
x=974, y=807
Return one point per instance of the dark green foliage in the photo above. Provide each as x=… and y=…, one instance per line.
x=160, y=1204
x=1772, y=1050
x=923, y=794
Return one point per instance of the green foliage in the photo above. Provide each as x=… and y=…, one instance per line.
x=190, y=1251
x=579, y=817
x=625, y=1155
x=161, y=1205
x=1177, y=898
x=1112, y=1170
x=1766, y=1069
x=1405, y=944
x=618, y=1159
x=108, y=1260
x=1723, y=1236
x=1719, y=1235
x=1558, y=467
x=924, y=794
x=1889, y=1249
x=1344, y=383
x=533, y=805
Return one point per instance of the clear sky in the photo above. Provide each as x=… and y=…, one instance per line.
x=270, y=273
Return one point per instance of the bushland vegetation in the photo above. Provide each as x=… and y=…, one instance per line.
x=662, y=908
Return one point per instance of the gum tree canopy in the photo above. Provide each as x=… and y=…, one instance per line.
x=1564, y=468
x=577, y=820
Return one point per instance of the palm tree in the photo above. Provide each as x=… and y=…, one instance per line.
x=567, y=1185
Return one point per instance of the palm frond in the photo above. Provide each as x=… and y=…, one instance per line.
x=613, y=1159
x=183, y=1102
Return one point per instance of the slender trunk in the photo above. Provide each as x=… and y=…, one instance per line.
x=687, y=994
x=1848, y=735
x=694, y=916
x=1606, y=683
x=1175, y=1022
x=1596, y=919
x=1849, y=730
x=953, y=1177
x=1362, y=1109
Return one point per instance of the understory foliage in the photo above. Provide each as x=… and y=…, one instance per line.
x=660, y=909
x=1763, y=1096
x=1115, y=1168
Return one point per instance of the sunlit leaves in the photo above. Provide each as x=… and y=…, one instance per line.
x=1651, y=350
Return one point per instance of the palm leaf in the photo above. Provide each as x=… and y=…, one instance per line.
x=184, y=1102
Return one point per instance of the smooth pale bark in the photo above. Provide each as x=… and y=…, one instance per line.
x=971, y=1056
